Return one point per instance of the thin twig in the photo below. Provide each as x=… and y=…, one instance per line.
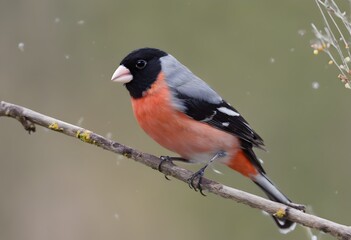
x=336, y=29
x=30, y=118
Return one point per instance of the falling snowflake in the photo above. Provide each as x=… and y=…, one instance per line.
x=301, y=32
x=315, y=85
x=21, y=46
x=81, y=22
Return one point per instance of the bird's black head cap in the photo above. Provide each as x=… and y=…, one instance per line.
x=144, y=64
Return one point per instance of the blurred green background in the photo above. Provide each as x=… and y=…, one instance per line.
x=57, y=57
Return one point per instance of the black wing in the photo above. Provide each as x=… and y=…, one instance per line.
x=224, y=117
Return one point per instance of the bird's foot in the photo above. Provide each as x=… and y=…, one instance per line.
x=196, y=185
x=170, y=160
x=163, y=160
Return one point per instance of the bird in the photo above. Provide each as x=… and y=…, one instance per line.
x=185, y=115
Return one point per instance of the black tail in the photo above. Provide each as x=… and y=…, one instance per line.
x=275, y=195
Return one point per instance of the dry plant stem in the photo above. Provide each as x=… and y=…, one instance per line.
x=334, y=34
x=30, y=118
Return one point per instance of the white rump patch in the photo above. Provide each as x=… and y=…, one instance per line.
x=228, y=111
x=287, y=230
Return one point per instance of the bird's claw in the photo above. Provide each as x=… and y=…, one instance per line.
x=196, y=185
x=170, y=160
x=163, y=160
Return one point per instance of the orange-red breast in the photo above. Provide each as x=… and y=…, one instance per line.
x=183, y=114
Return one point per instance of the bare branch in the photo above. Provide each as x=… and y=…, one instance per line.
x=29, y=118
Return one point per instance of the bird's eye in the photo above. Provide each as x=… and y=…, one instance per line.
x=140, y=64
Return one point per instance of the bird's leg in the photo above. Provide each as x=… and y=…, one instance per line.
x=297, y=206
x=169, y=159
x=199, y=174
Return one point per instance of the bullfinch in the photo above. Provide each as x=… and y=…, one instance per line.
x=185, y=115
